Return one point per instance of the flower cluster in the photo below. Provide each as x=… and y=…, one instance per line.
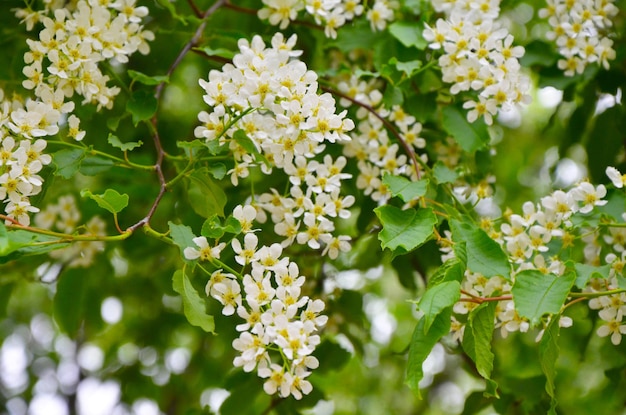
x=531, y=240
x=21, y=153
x=64, y=216
x=276, y=316
x=479, y=55
x=266, y=109
x=331, y=14
x=578, y=29
x=73, y=41
x=375, y=152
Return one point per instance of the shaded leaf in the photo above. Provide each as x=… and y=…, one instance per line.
x=94, y=165
x=536, y=294
x=147, y=79
x=194, y=306
x=438, y=298
x=67, y=161
x=548, y=355
x=142, y=105
x=68, y=303
x=470, y=136
x=477, y=342
x=206, y=197
x=421, y=345
x=443, y=174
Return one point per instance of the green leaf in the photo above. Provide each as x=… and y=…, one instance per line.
x=206, y=197
x=477, y=342
x=443, y=174
x=67, y=161
x=421, y=345
x=194, y=306
x=407, y=190
x=221, y=52
x=246, y=142
x=218, y=170
x=142, y=105
x=147, y=79
x=212, y=228
x=94, y=165
x=170, y=7
x=406, y=229
x=409, y=34
x=548, y=355
x=484, y=255
x=585, y=272
x=438, y=298
x=536, y=294
x=115, y=142
x=470, y=136
x=451, y=270
x=110, y=200
x=182, y=236
x=68, y=303
x=17, y=243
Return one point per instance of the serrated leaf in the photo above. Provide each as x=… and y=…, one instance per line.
x=470, y=136
x=406, y=189
x=536, y=294
x=443, y=174
x=483, y=255
x=212, y=228
x=218, y=170
x=147, y=79
x=548, y=355
x=110, y=200
x=438, y=298
x=451, y=270
x=421, y=345
x=409, y=34
x=477, y=342
x=194, y=306
x=142, y=105
x=67, y=161
x=205, y=196
x=182, y=236
x=585, y=272
x=406, y=229
x=117, y=143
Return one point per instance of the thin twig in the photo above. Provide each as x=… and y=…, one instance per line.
x=408, y=150
x=158, y=165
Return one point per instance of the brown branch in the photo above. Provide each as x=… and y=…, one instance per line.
x=158, y=165
x=195, y=8
x=407, y=149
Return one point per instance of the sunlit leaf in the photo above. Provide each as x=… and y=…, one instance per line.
x=110, y=200
x=407, y=190
x=483, y=254
x=405, y=229
x=438, y=298
x=536, y=294
x=477, y=342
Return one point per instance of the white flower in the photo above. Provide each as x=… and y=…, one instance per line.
x=206, y=252
x=618, y=179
